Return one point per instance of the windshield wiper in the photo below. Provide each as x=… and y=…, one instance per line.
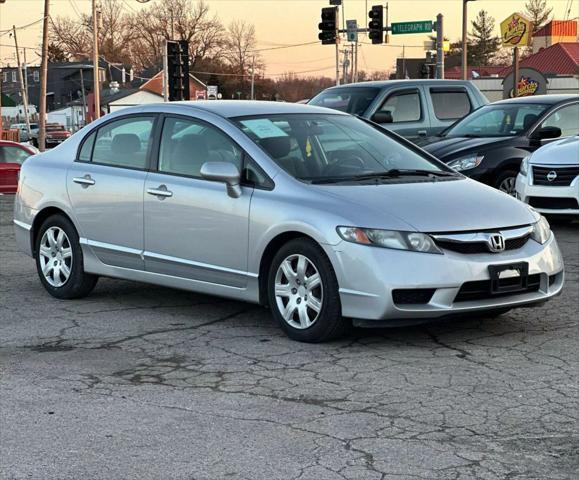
x=392, y=173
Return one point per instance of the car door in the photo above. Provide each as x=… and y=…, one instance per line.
x=193, y=229
x=565, y=117
x=447, y=104
x=407, y=112
x=105, y=185
x=11, y=157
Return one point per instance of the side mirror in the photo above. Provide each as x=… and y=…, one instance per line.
x=546, y=132
x=382, y=117
x=223, y=172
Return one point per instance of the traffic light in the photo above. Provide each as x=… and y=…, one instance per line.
x=328, y=26
x=376, y=24
x=178, y=70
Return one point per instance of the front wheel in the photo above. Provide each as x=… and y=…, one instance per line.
x=59, y=260
x=303, y=293
x=506, y=181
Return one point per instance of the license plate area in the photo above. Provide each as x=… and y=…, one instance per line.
x=510, y=278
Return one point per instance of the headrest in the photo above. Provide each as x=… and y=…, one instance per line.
x=529, y=119
x=277, y=147
x=193, y=145
x=124, y=143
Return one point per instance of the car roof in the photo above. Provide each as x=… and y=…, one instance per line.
x=242, y=108
x=406, y=81
x=9, y=143
x=544, y=99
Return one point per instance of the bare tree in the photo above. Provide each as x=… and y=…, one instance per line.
x=176, y=20
x=538, y=13
x=241, y=46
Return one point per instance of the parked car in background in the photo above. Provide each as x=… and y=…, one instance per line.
x=490, y=143
x=320, y=215
x=55, y=135
x=12, y=156
x=23, y=129
x=549, y=179
x=411, y=108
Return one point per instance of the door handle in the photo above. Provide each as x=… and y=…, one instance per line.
x=85, y=181
x=422, y=133
x=161, y=192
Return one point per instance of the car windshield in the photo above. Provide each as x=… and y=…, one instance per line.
x=502, y=120
x=323, y=148
x=350, y=100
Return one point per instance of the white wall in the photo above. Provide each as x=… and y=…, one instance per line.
x=492, y=88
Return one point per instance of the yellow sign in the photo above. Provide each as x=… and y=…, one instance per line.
x=446, y=46
x=516, y=31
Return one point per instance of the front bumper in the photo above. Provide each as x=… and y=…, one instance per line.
x=368, y=276
x=527, y=193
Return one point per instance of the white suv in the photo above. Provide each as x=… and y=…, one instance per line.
x=549, y=178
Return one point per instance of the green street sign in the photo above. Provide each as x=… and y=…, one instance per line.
x=423, y=26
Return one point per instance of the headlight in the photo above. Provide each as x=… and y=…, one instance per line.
x=414, y=241
x=541, y=231
x=466, y=163
x=525, y=166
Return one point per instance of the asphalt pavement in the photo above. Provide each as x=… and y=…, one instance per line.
x=143, y=382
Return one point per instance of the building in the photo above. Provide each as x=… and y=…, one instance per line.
x=556, y=60
x=556, y=31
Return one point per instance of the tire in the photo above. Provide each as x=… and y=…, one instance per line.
x=292, y=309
x=58, y=252
x=506, y=179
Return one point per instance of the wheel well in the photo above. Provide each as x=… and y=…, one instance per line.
x=272, y=247
x=39, y=220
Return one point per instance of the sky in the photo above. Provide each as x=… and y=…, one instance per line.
x=286, y=22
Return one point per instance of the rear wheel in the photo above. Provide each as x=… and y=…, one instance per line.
x=303, y=293
x=505, y=182
x=59, y=260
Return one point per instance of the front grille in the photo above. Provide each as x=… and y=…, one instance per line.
x=554, y=203
x=412, y=296
x=481, y=289
x=481, y=247
x=564, y=176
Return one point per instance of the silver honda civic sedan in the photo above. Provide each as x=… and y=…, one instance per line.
x=319, y=215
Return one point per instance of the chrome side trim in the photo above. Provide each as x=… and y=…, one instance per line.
x=182, y=261
x=109, y=246
x=23, y=225
x=474, y=237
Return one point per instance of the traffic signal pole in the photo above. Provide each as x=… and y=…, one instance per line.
x=439, y=47
x=337, y=48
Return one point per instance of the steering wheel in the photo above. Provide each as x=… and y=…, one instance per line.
x=345, y=166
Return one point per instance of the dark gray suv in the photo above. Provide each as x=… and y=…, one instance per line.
x=411, y=108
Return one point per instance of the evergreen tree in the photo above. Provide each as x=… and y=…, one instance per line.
x=538, y=13
x=483, y=45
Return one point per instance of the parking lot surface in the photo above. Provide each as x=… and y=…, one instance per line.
x=138, y=381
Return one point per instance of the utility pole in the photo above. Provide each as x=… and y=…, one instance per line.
x=252, y=78
x=43, y=79
x=515, y=71
x=464, y=38
x=95, y=60
x=439, y=47
x=165, y=72
x=337, y=47
x=83, y=97
x=23, y=92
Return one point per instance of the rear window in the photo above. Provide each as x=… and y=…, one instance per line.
x=350, y=100
x=449, y=105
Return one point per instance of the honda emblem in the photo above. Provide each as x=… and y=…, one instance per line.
x=496, y=243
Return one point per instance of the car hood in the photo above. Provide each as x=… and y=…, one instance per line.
x=561, y=152
x=452, y=147
x=442, y=206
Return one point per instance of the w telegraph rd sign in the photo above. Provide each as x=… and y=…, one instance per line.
x=422, y=26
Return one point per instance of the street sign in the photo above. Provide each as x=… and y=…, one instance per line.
x=352, y=30
x=423, y=26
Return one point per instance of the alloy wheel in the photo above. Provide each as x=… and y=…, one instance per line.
x=55, y=254
x=508, y=186
x=299, y=291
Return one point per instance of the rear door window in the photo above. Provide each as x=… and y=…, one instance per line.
x=450, y=104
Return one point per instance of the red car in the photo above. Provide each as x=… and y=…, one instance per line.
x=12, y=155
